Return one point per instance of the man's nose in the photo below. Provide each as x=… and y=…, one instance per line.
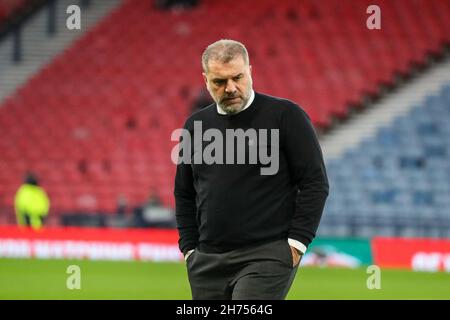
x=231, y=86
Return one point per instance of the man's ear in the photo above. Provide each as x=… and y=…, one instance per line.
x=250, y=68
x=205, y=78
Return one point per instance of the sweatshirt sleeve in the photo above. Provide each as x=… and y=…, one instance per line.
x=185, y=203
x=308, y=172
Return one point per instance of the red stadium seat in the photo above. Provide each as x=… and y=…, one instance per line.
x=97, y=121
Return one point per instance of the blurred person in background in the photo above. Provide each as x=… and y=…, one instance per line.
x=31, y=203
x=153, y=213
x=157, y=215
x=122, y=205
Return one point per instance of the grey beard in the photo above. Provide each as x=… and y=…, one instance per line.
x=231, y=111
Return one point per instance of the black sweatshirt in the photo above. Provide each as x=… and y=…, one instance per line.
x=222, y=207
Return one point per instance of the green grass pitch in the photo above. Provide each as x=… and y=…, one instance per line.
x=46, y=279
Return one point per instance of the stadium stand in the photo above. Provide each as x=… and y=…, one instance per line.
x=9, y=7
x=96, y=122
x=397, y=182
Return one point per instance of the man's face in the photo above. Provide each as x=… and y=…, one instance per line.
x=229, y=84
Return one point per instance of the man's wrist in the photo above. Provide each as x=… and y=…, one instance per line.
x=188, y=253
x=297, y=245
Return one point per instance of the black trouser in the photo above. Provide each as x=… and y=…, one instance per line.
x=263, y=272
x=27, y=219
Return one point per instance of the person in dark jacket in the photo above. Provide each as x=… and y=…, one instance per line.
x=245, y=215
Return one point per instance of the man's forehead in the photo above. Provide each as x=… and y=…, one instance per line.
x=232, y=68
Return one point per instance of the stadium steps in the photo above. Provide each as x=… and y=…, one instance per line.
x=39, y=49
x=365, y=124
x=395, y=182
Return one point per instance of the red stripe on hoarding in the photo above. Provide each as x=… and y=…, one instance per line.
x=417, y=254
x=85, y=243
x=168, y=236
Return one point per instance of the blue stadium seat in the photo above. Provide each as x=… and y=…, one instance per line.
x=396, y=183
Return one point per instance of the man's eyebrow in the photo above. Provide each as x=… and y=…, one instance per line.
x=224, y=79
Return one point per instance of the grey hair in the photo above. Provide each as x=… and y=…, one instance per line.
x=224, y=51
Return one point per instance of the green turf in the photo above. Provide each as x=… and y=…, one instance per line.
x=46, y=279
